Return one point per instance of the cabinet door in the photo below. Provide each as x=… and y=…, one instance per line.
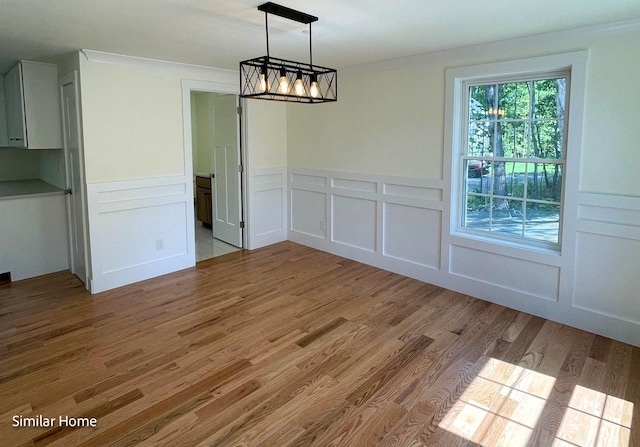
x=41, y=100
x=203, y=205
x=13, y=95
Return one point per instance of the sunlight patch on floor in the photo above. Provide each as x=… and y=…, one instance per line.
x=595, y=419
x=502, y=405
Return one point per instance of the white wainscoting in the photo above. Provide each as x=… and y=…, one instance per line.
x=139, y=229
x=398, y=224
x=267, y=207
x=606, y=285
x=388, y=222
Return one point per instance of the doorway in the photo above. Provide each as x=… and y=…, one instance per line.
x=217, y=169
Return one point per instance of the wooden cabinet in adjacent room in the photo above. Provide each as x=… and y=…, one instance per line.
x=203, y=200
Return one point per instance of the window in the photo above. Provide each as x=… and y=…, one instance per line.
x=513, y=138
x=513, y=158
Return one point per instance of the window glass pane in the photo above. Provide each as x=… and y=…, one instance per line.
x=514, y=100
x=477, y=215
x=545, y=182
x=514, y=139
x=475, y=170
x=480, y=138
x=547, y=139
x=499, y=174
x=515, y=179
x=543, y=222
x=508, y=219
x=549, y=98
x=478, y=106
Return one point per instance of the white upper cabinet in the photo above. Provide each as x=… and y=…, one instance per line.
x=32, y=106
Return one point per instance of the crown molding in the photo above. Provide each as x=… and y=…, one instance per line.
x=179, y=68
x=536, y=44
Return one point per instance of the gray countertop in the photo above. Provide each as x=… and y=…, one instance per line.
x=18, y=188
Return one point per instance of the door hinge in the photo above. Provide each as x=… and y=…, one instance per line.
x=239, y=110
x=242, y=224
x=241, y=168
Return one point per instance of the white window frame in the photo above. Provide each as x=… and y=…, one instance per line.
x=456, y=110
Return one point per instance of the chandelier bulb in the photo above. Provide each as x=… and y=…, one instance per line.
x=263, y=81
x=284, y=81
x=314, y=89
x=299, y=85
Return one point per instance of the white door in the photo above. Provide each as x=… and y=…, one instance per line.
x=75, y=192
x=226, y=197
x=227, y=213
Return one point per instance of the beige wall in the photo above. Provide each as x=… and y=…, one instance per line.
x=132, y=116
x=386, y=122
x=132, y=120
x=202, y=125
x=611, y=155
x=266, y=133
x=389, y=118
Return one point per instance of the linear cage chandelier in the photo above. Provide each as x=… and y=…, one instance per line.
x=277, y=79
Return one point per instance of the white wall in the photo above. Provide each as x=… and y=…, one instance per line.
x=367, y=180
x=51, y=167
x=19, y=164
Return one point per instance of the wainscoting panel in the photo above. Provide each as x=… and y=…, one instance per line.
x=372, y=219
x=308, y=212
x=127, y=252
x=607, y=263
x=515, y=274
x=619, y=297
x=424, y=224
x=139, y=229
x=353, y=222
x=267, y=214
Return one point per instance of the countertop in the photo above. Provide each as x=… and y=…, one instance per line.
x=19, y=188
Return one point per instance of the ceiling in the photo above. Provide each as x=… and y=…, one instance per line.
x=220, y=33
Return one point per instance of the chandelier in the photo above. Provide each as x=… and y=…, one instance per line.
x=275, y=79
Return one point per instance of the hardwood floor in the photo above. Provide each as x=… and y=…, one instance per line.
x=288, y=347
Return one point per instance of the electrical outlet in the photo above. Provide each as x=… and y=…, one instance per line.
x=159, y=244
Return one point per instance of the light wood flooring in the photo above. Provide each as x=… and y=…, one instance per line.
x=287, y=346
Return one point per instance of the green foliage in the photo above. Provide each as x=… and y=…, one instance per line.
x=517, y=119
